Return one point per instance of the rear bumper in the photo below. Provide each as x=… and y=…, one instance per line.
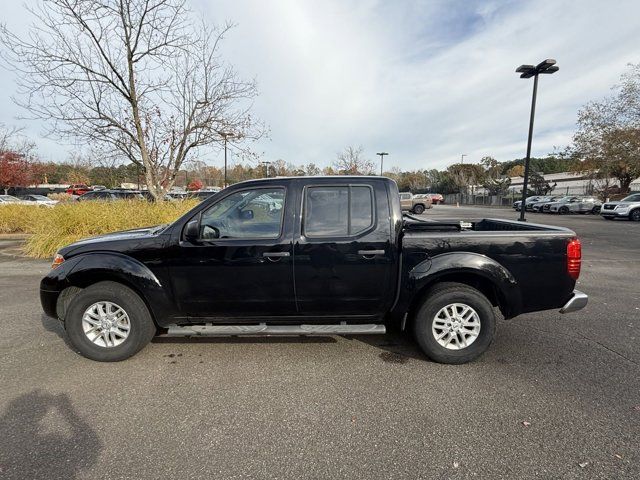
x=577, y=302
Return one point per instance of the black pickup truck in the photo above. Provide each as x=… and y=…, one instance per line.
x=310, y=256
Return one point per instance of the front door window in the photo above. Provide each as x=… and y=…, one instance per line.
x=248, y=214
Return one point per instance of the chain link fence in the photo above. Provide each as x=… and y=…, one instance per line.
x=513, y=196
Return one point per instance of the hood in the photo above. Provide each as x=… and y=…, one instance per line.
x=117, y=241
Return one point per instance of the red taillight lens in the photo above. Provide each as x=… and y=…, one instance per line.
x=574, y=258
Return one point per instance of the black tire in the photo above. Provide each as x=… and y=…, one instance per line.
x=634, y=215
x=142, y=328
x=563, y=210
x=438, y=297
x=418, y=209
x=595, y=210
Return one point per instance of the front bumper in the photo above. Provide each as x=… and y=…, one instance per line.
x=577, y=302
x=49, y=300
x=615, y=213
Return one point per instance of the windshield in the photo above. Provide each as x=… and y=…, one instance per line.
x=8, y=198
x=39, y=197
x=632, y=198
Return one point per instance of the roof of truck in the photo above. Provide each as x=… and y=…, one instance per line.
x=342, y=178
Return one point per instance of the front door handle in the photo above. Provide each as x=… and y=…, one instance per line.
x=370, y=253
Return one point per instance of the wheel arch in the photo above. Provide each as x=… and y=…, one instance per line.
x=116, y=267
x=478, y=271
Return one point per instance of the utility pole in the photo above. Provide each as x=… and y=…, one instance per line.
x=382, y=154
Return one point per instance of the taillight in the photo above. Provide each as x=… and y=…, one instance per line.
x=574, y=258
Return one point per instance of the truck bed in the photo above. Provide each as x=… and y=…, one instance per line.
x=534, y=255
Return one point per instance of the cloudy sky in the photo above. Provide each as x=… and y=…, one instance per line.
x=425, y=81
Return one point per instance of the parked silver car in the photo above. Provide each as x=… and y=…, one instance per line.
x=628, y=207
x=539, y=205
x=576, y=205
x=528, y=201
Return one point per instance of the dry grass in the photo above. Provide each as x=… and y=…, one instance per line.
x=52, y=228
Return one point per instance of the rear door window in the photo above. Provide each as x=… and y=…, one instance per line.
x=338, y=211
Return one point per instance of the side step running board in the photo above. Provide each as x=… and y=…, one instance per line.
x=210, y=330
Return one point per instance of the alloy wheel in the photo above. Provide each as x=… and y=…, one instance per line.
x=456, y=326
x=106, y=324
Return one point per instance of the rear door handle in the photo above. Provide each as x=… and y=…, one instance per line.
x=370, y=253
x=275, y=254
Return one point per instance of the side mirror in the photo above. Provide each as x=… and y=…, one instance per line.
x=192, y=230
x=246, y=215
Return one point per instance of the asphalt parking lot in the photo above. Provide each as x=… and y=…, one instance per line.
x=556, y=396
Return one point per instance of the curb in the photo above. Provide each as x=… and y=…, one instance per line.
x=14, y=236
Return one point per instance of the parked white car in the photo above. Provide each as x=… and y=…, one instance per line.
x=9, y=199
x=628, y=207
x=38, y=200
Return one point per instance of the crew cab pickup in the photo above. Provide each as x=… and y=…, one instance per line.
x=310, y=256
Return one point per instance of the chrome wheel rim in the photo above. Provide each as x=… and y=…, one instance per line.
x=456, y=326
x=106, y=324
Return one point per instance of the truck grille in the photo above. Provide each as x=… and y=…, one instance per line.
x=608, y=207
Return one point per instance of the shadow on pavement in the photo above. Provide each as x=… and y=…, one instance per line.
x=32, y=448
x=52, y=325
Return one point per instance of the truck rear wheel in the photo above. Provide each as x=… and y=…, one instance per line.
x=108, y=322
x=455, y=324
x=418, y=209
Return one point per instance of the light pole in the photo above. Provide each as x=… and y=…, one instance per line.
x=527, y=71
x=382, y=154
x=266, y=168
x=226, y=136
x=462, y=158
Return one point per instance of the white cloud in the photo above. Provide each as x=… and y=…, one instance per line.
x=425, y=81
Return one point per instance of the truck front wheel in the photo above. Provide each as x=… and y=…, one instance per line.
x=108, y=322
x=455, y=324
x=418, y=209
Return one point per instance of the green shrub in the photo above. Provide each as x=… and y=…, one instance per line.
x=55, y=227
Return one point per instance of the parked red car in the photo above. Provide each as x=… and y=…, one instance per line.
x=78, y=189
x=436, y=198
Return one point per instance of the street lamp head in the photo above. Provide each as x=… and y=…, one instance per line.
x=550, y=70
x=524, y=68
x=546, y=66
x=382, y=153
x=226, y=135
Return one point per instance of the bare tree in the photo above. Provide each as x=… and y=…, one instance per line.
x=351, y=161
x=136, y=77
x=13, y=140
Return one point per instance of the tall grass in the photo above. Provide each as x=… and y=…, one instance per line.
x=52, y=228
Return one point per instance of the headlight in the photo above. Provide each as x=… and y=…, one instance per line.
x=623, y=205
x=57, y=261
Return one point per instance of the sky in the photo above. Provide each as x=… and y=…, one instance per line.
x=426, y=81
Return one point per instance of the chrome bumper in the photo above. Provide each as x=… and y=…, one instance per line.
x=577, y=302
